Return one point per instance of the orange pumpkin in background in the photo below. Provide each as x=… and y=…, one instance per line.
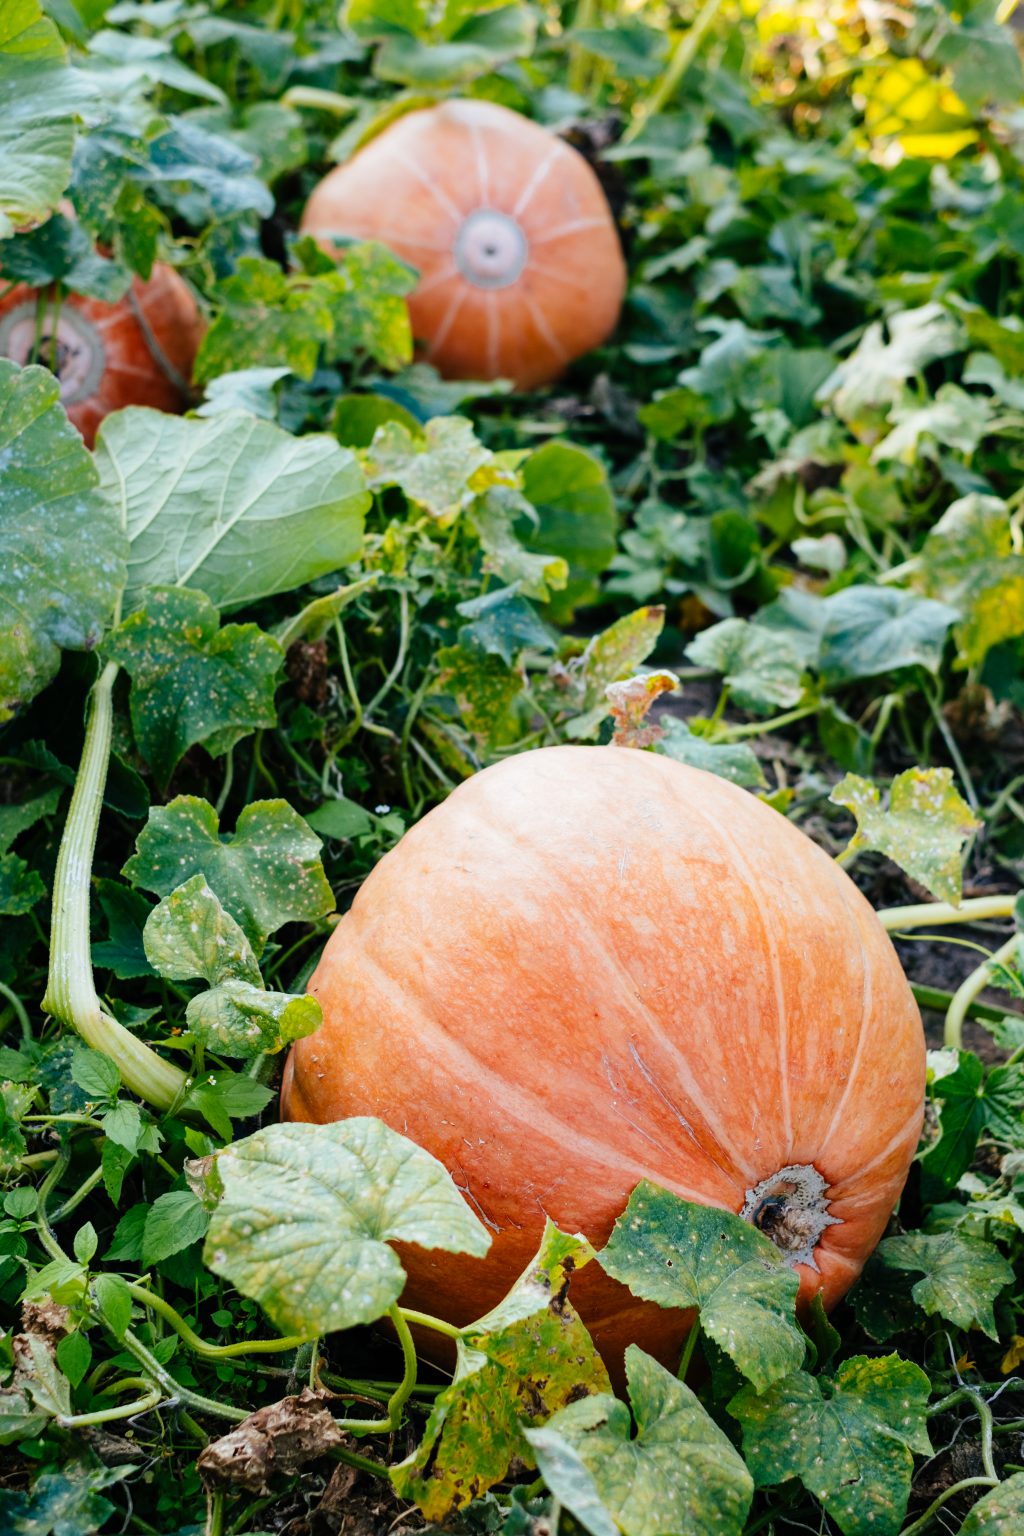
x=591, y=966
x=520, y=265
x=137, y=351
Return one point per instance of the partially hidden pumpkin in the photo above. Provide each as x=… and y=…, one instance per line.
x=137, y=351
x=520, y=265
x=591, y=966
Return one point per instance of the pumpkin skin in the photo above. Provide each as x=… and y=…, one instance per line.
x=520, y=265
x=138, y=351
x=592, y=965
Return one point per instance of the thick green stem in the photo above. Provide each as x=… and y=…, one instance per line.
x=195, y=1400
x=71, y=990
x=122, y=1411
x=944, y=1497
x=685, y=52
x=969, y=989
x=402, y=1392
x=425, y=1320
x=940, y=913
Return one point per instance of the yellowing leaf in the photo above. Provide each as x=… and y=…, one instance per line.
x=923, y=830
x=925, y=116
x=1013, y=1358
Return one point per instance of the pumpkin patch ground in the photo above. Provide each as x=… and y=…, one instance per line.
x=511, y=769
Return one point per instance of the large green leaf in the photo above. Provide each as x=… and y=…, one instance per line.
x=679, y=1474
x=971, y=1100
x=872, y=630
x=191, y=680
x=516, y=1366
x=668, y=1250
x=962, y=1276
x=266, y=874
x=231, y=506
x=734, y=761
x=39, y=99
x=969, y=561
x=61, y=551
x=923, y=829
x=850, y=1440
x=307, y=1213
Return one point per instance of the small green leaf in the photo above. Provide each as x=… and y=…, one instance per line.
x=126, y=911
x=123, y=1125
x=61, y=550
x=223, y=1096
x=21, y=887
x=441, y=472
x=577, y=518
x=962, y=1275
x=734, y=761
x=74, y=1356
x=850, y=1441
x=307, y=1213
x=95, y=1073
x=679, y=1473
x=677, y=1254
x=85, y=1243
x=191, y=680
x=236, y=1018
x=266, y=874
x=174, y=1221
x=266, y=319
x=999, y=1513
x=762, y=670
x=16, y=819
x=922, y=830
x=515, y=1367
x=190, y=935
x=115, y=1303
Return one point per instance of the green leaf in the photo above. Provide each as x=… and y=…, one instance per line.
x=115, y=1303
x=189, y=934
x=231, y=506
x=528, y=1357
x=126, y=911
x=371, y=317
x=962, y=1275
x=982, y=53
x=74, y=1356
x=484, y=687
x=16, y=819
x=494, y=515
x=95, y=1072
x=503, y=624
x=60, y=251
x=223, y=1096
x=969, y=561
x=971, y=1100
x=375, y=20
x=577, y=519
x=679, y=1473
x=441, y=472
x=872, y=630
x=307, y=1212
x=85, y=1243
x=39, y=99
x=68, y=1502
x=251, y=390
x=191, y=680
x=266, y=874
x=314, y=621
x=953, y=419
x=123, y=1125
x=21, y=887
x=762, y=669
x=266, y=319
x=999, y=1513
x=173, y=1222
x=677, y=1254
x=850, y=1441
x=237, y=1018
x=734, y=761
x=61, y=552
x=922, y=830
x=478, y=48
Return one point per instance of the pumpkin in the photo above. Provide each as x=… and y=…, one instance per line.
x=137, y=351
x=591, y=966
x=520, y=265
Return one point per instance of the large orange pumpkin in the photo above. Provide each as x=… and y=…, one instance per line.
x=137, y=351
x=592, y=965
x=519, y=261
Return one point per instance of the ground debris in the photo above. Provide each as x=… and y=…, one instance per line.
x=277, y=1440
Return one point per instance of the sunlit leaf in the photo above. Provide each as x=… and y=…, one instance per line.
x=923, y=828
x=969, y=560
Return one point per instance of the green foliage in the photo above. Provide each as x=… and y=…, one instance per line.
x=923, y=828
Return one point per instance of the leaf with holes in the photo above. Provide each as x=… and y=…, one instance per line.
x=678, y=1473
x=923, y=828
x=266, y=874
x=850, y=1439
x=308, y=1212
x=528, y=1357
x=677, y=1254
x=962, y=1276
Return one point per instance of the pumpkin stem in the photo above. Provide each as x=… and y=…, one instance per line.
x=790, y=1207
